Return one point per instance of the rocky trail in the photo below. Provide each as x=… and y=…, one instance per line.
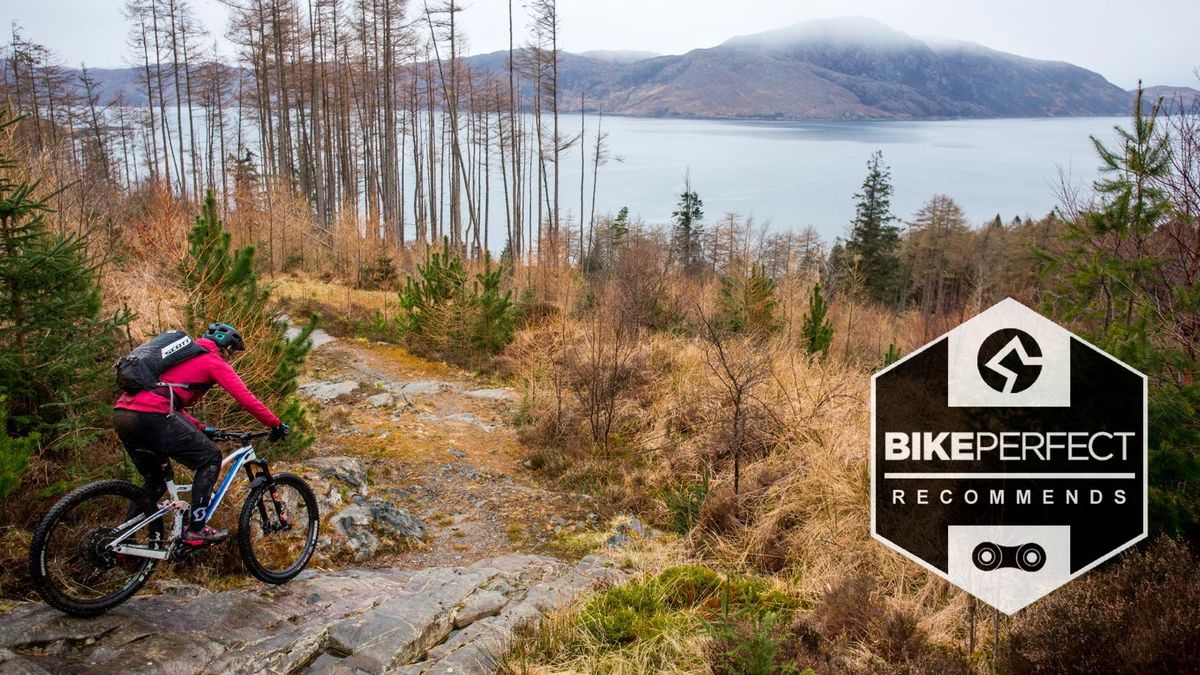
x=435, y=444
x=437, y=546
x=437, y=620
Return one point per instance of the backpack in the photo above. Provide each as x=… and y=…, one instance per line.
x=140, y=369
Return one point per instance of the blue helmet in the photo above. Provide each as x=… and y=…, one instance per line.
x=226, y=336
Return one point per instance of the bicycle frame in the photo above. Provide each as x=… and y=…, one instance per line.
x=235, y=460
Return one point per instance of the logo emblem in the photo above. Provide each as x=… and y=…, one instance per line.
x=176, y=346
x=1008, y=456
x=1010, y=360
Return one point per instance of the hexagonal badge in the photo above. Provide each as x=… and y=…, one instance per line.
x=1008, y=456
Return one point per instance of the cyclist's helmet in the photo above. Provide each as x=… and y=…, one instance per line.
x=226, y=336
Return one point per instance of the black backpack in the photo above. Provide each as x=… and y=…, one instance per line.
x=140, y=369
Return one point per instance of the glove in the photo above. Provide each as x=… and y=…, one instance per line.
x=279, y=432
x=211, y=431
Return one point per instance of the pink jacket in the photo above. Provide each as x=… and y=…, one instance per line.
x=199, y=373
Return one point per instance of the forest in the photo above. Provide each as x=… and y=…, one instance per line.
x=709, y=374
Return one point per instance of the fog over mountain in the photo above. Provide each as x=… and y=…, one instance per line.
x=619, y=55
x=831, y=69
x=835, y=69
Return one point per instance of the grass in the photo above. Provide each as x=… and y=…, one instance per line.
x=344, y=311
x=658, y=622
x=800, y=521
x=576, y=545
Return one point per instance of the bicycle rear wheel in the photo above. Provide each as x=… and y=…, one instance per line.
x=68, y=561
x=277, y=530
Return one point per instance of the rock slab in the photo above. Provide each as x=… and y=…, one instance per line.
x=438, y=620
x=328, y=391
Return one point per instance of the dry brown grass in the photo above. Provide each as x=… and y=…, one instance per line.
x=802, y=514
x=146, y=291
x=295, y=289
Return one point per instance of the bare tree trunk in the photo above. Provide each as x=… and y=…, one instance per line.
x=187, y=74
x=162, y=105
x=582, y=171
x=173, y=32
x=153, y=163
x=597, y=159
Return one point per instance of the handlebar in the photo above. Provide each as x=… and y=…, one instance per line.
x=222, y=436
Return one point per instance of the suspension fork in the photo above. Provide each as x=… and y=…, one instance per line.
x=257, y=471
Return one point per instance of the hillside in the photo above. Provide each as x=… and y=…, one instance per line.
x=822, y=70
x=1173, y=97
x=837, y=69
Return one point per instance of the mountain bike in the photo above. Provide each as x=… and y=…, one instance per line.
x=99, y=544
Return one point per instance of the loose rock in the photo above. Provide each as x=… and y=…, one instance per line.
x=468, y=418
x=381, y=400
x=419, y=387
x=492, y=394
x=318, y=337
x=328, y=391
x=634, y=526
x=395, y=520
x=354, y=523
x=348, y=470
x=618, y=540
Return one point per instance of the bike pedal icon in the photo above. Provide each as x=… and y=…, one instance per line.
x=988, y=556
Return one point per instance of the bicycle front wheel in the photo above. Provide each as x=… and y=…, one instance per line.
x=277, y=530
x=69, y=561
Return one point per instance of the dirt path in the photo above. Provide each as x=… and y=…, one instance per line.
x=441, y=444
x=420, y=437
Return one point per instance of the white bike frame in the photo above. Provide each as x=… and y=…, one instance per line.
x=235, y=461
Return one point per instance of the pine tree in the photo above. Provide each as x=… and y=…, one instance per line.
x=427, y=299
x=762, y=304
x=56, y=348
x=816, y=331
x=1109, y=281
x=493, y=325
x=1123, y=292
x=750, y=306
x=892, y=355
x=222, y=286
x=688, y=232
x=619, y=229
x=14, y=454
x=874, y=241
x=444, y=315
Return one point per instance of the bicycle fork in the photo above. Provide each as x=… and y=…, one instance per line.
x=281, y=522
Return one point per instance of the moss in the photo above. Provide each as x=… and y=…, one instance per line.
x=679, y=599
x=632, y=612
x=575, y=545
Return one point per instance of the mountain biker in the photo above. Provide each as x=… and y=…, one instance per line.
x=153, y=427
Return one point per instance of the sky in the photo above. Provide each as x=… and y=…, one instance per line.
x=1094, y=34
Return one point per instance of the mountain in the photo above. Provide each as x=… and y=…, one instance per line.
x=619, y=55
x=838, y=69
x=122, y=84
x=823, y=70
x=1172, y=97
